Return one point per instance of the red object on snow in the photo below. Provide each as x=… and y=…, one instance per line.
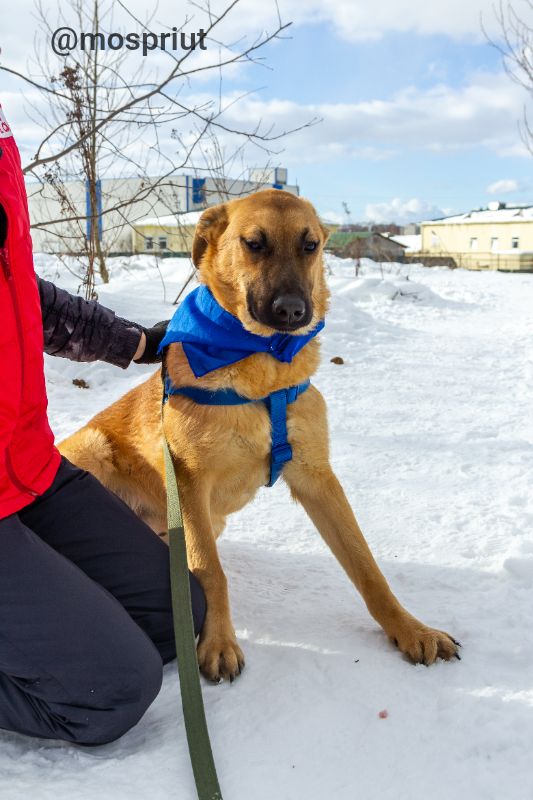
x=28, y=458
x=383, y=714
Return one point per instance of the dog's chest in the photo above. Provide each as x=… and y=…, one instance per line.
x=230, y=446
x=243, y=437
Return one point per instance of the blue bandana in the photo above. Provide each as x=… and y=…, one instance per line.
x=213, y=338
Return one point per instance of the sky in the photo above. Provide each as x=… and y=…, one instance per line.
x=414, y=114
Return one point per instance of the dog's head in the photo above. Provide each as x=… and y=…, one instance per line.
x=261, y=256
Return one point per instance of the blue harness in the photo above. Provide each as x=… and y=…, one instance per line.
x=276, y=403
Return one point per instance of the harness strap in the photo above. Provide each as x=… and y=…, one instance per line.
x=205, y=397
x=276, y=403
x=280, y=451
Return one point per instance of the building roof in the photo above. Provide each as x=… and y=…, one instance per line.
x=342, y=238
x=177, y=221
x=411, y=241
x=501, y=214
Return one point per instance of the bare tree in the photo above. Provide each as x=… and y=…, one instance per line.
x=104, y=118
x=515, y=45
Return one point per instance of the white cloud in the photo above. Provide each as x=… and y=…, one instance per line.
x=354, y=20
x=359, y=19
x=518, y=149
x=334, y=216
x=403, y=211
x=504, y=186
x=480, y=114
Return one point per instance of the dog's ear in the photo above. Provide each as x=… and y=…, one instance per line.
x=325, y=233
x=211, y=225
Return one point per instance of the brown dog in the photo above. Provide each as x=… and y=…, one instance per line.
x=250, y=252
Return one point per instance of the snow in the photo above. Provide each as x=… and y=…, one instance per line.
x=187, y=218
x=432, y=438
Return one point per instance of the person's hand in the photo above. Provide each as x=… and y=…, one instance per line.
x=149, y=342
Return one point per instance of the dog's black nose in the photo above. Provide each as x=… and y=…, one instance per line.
x=288, y=309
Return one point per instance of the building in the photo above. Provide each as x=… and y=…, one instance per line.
x=499, y=237
x=173, y=235
x=127, y=201
x=365, y=244
x=170, y=235
x=411, y=229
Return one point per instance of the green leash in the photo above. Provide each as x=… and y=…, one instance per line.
x=203, y=765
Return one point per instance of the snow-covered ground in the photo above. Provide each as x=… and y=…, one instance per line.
x=432, y=437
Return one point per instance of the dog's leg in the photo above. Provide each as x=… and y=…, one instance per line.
x=322, y=496
x=219, y=655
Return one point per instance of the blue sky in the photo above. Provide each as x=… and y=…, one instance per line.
x=318, y=66
x=324, y=66
x=419, y=117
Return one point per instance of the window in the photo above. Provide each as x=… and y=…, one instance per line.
x=515, y=242
x=473, y=243
x=434, y=240
x=494, y=243
x=162, y=242
x=148, y=243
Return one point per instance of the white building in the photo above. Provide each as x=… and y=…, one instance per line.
x=129, y=200
x=498, y=237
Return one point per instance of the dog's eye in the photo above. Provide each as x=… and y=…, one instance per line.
x=253, y=244
x=310, y=246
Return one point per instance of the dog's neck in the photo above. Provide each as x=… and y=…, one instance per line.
x=255, y=376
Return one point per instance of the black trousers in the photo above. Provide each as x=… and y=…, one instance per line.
x=85, y=614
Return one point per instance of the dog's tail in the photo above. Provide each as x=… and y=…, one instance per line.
x=90, y=449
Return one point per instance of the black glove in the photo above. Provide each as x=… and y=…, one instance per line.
x=153, y=338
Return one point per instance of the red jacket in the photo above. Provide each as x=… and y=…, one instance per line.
x=28, y=458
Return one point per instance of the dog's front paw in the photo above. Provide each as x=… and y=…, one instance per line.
x=423, y=645
x=220, y=658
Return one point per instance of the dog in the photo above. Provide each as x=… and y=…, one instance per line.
x=261, y=257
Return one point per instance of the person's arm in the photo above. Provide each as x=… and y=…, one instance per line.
x=84, y=330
